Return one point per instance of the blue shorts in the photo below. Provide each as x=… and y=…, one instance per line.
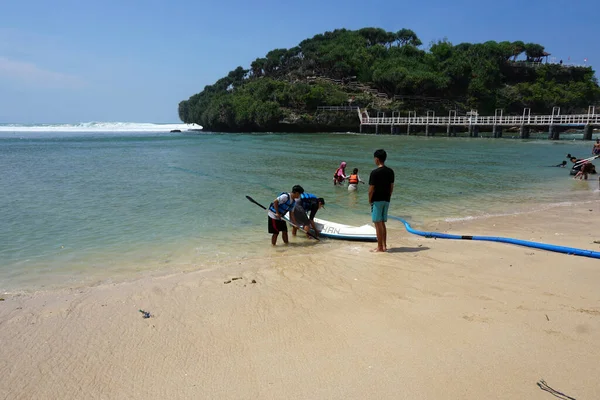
x=379, y=211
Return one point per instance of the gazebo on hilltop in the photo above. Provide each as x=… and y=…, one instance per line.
x=538, y=58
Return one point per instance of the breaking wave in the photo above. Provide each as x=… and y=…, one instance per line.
x=98, y=127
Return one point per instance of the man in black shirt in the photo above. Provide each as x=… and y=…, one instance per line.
x=381, y=186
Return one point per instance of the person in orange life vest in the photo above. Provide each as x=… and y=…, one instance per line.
x=354, y=179
x=278, y=208
x=340, y=174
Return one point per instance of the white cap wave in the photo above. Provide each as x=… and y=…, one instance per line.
x=99, y=127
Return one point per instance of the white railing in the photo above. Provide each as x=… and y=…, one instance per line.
x=575, y=119
x=337, y=108
x=567, y=64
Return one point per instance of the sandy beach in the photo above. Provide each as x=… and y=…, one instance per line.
x=430, y=319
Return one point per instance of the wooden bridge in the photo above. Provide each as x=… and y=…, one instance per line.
x=473, y=122
x=573, y=120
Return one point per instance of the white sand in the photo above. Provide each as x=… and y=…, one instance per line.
x=432, y=319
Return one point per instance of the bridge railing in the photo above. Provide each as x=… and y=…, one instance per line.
x=337, y=108
x=512, y=120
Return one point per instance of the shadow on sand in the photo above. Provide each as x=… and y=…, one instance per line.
x=407, y=249
x=304, y=243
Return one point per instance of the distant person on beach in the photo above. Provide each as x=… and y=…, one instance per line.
x=596, y=148
x=340, y=174
x=278, y=208
x=354, y=179
x=381, y=186
x=305, y=210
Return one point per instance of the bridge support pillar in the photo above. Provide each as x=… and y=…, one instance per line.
x=497, y=130
x=429, y=130
x=450, y=130
x=360, y=129
x=473, y=131
x=554, y=133
x=588, y=130
x=524, y=132
x=408, y=130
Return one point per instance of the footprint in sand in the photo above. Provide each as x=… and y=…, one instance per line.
x=475, y=318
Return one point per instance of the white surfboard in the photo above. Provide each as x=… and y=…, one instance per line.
x=333, y=230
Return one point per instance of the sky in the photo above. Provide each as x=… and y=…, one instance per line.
x=134, y=61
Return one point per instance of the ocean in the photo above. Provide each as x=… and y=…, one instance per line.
x=83, y=204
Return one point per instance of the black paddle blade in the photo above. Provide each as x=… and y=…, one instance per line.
x=256, y=202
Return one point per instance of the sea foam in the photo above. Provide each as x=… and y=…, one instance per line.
x=98, y=127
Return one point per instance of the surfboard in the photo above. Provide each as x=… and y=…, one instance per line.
x=334, y=230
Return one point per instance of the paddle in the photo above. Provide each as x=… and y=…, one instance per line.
x=290, y=222
x=256, y=202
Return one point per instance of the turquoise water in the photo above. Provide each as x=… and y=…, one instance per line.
x=78, y=208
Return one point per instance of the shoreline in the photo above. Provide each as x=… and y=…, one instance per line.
x=476, y=319
x=188, y=263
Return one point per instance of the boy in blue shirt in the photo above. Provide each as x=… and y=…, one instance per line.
x=277, y=209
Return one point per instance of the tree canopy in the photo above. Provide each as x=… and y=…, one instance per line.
x=287, y=85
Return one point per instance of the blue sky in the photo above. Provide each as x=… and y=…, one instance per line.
x=77, y=61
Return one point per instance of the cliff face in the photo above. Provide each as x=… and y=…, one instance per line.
x=389, y=72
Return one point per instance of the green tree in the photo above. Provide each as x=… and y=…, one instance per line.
x=518, y=48
x=534, y=51
x=406, y=36
x=290, y=84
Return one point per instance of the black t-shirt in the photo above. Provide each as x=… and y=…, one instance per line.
x=314, y=207
x=381, y=178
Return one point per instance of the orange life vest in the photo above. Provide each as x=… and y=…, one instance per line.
x=353, y=180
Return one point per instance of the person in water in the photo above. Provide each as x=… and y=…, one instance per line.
x=586, y=169
x=305, y=210
x=562, y=164
x=577, y=164
x=596, y=148
x=381, y=186
x=340, y=174
x=354, y=179
x=277, y=209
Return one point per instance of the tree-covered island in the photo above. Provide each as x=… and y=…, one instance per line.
x=386, y=71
